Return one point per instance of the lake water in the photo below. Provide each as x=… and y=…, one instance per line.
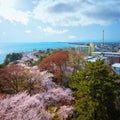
x=6, y=48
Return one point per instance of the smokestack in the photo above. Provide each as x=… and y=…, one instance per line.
x=103, y=39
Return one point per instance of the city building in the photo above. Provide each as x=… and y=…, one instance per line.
x=92, y=58
x=116, y=68
x=109, y=57
x=87, y=49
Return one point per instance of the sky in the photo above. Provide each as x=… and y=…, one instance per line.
x=59, y=20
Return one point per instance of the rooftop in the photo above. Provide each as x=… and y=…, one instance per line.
x=116, y=65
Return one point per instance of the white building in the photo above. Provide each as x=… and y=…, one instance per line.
x=88, y=49
x=116, y=67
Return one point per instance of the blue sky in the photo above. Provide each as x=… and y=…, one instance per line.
x=59, y=20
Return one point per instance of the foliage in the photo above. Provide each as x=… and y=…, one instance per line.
x=2, y=65
x=25, y=107
x=55, y=63
x=11, y=79
x=16, y=78
x=40, y=59
x=95, y=91
x=76, y=60
x=12, y=57
x=117, y=102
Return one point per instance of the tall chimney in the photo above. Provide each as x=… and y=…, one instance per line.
x=103, y=39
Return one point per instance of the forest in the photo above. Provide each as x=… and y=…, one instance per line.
x=61, y=85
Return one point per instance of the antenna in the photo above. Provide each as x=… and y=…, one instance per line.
x=103, y=39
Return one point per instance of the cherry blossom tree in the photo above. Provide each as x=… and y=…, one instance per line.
x=23, y=106
x=16, y=78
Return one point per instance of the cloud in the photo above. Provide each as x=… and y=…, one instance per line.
x=8, y=12
x=0, y=21
x=77, y=12
x=28, y=31
x=40, y=27
x=72, y=37
x=34, y=2
x=50, y=30
x=62, y=7
x=63, y=12
x=3, y=33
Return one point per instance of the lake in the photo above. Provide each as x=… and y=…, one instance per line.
x=6, y=48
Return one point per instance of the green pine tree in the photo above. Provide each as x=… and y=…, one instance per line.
x=95, y=90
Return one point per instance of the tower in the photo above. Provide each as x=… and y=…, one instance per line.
x=103, y=39
x=91, y=48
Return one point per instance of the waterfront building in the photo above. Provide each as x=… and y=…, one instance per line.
x=119, y=51
x=87, y=49
x=109, y=57
x=92, y=48
x=92, y=58
x=116, y=68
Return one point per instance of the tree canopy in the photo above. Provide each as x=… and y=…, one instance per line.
x=17, y=78
x=95, y=90
x=55, y=64
x=76, y=60
x=12, y=57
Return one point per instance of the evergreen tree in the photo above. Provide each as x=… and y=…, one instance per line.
x=12, y=57
x=95, y=90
